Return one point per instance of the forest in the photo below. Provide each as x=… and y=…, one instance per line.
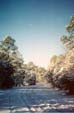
x=60, y=73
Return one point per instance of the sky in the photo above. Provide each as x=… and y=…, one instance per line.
x=37, y=26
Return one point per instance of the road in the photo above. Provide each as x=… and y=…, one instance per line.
x=35, y=99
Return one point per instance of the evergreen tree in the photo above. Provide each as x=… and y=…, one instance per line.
x=68, y=41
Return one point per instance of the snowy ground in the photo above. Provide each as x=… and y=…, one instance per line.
x=35, y=99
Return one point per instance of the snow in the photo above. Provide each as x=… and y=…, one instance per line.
x=38, y=99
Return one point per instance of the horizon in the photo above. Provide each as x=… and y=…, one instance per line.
x=37, y=26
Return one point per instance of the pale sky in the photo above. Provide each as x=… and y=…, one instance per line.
x=36, y=25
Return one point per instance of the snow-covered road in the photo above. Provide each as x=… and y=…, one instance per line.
x=36, y=99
